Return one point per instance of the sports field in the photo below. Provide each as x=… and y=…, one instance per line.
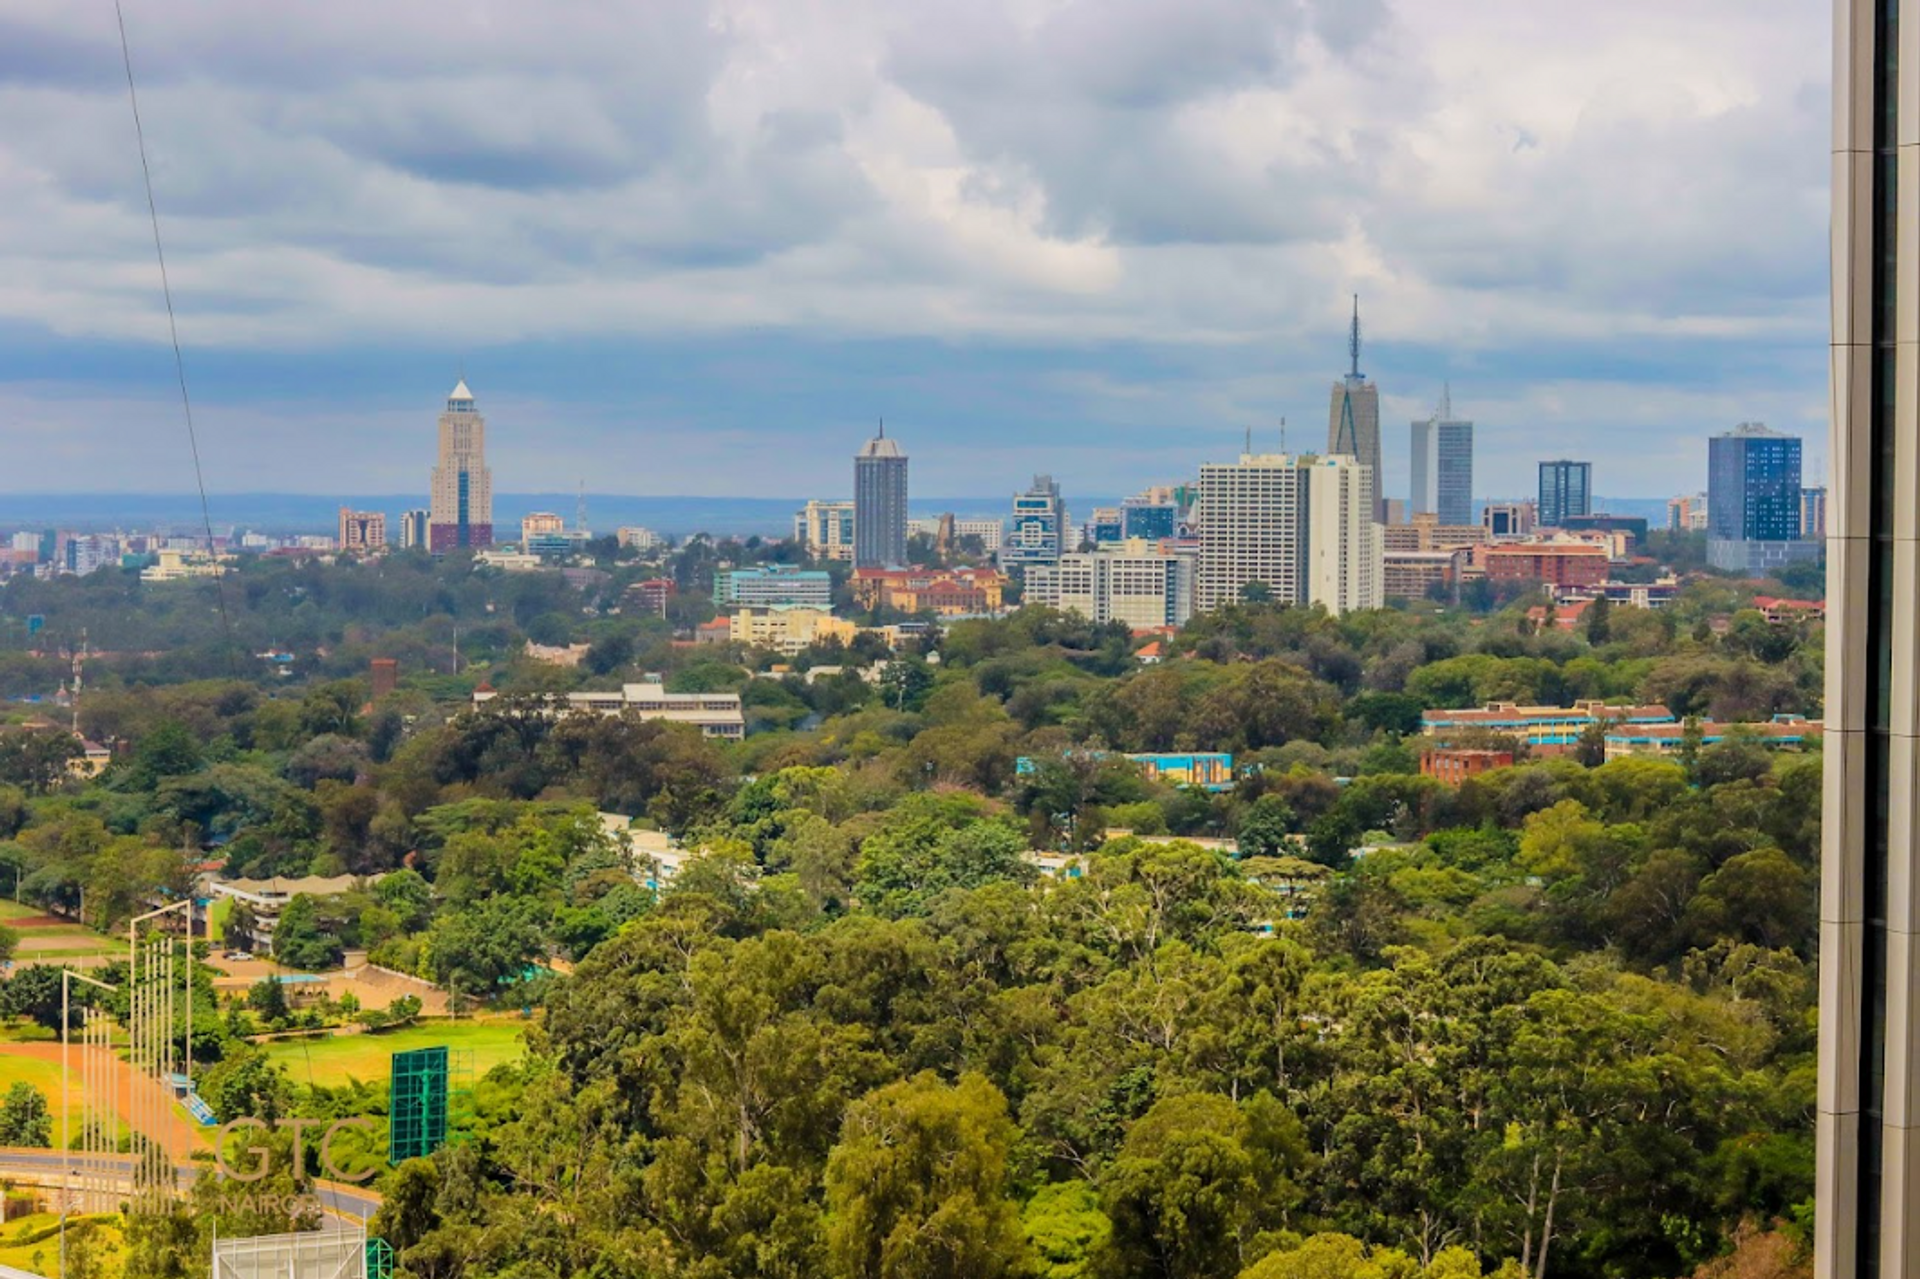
x=46, y=940
x=331, y=1062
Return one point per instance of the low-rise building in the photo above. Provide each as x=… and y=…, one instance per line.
x=1425, y=532
x=650, y=597
x=945, y=592
x=773, y=585
x=1537, y=726
x=173, y=565
x=1412, y=575
x=1556, y=563
x=1453, y=764
x=1783, y=612
x=1782, y=731
x=787, y=628
x=508, y=561
x=716, y=715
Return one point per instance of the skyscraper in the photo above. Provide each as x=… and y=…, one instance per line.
x=880, y=503
x=462, y=496
x=1353, y=424
x=1566, y=488
x=1813, y=512
x=1039, y=531
x=1867, y=1124
x=1302, y=528
x=1753, y=500
x=1443, y=465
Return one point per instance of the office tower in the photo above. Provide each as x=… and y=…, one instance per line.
x=1107, y=525
x=1149, y=515
x=1039, y=528
x=413, y=528
x=462, y=514
x=1133, y=582
x=773, y=585
x=880, y=503
x=1866, y=1144
x=1443, y=466
x=1566, y=488
x=1300, y=527
x=825, y=529
x=1353, y=425
x=1813, y=513
x=362, y=531
x=1753, y=501
x=540, y=524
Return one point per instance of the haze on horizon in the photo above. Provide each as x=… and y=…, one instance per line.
x=699, y=247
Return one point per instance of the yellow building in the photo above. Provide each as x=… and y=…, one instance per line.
x=787, y=628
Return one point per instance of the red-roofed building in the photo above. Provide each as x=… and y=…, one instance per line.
x=945, y=592
x=1784, y=612
x=1565, y=616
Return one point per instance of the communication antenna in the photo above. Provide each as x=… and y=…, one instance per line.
x=1446, y=401
x=1283, y=433
x=1248, y=447
x=580, y=510
x=1353, y=340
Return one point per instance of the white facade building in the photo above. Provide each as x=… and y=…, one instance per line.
x=1133, y=582
x=714, y=714
x=1300, y=525
x=825, y=529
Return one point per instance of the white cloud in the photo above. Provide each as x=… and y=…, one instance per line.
x=1529, y=186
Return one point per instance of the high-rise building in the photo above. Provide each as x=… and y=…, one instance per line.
x=1566, y=488
x=362, y=531
x=1353, y=423
x=1813, y=512
x=1753, y=501
x=1107, y=525
x=825, y=529
x=1039, y=530
x=880, y=503
x=1301, y=528
x=1867, y=1124
x=462, y=508
x=1443, y=466
x=1133, y=582
x=1509, y=519
x=413, y=528
x=1147, y=516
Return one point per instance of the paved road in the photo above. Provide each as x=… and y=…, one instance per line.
x=43, y=1167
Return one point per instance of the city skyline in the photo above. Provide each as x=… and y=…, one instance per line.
x=1013, y=304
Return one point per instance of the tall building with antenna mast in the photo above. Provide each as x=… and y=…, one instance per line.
x=1353, y=424
x=880, y=503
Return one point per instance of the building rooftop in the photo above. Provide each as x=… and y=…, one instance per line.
x=880, y=447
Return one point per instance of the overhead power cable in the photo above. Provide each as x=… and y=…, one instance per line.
x=173, y=333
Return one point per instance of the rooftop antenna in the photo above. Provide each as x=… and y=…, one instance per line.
x=1446, y=401
x=1283, y=433
x=580, y=510
x=1353, y=340
x=883, y=428
x=1248, y=448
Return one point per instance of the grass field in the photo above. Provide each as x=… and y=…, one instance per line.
x=42, y=1257
x=332, y=1062
x=44, y=1075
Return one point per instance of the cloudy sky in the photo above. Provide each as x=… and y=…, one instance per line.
x=699, y=247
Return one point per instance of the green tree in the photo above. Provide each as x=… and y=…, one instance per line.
x=299, y=941
x=1066, y=1228
x=1265, y=826
x=24, y=1117
x=916, y=1188
x=1183, y=1193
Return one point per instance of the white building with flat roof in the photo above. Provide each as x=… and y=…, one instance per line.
x=1300, y=526
x=1133, y=582
x=716, y=715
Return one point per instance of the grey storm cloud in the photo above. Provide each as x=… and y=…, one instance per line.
x=1522, y=189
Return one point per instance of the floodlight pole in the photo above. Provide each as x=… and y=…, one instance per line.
x=66, y=1109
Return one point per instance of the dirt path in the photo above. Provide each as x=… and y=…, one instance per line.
x=181, y=1135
